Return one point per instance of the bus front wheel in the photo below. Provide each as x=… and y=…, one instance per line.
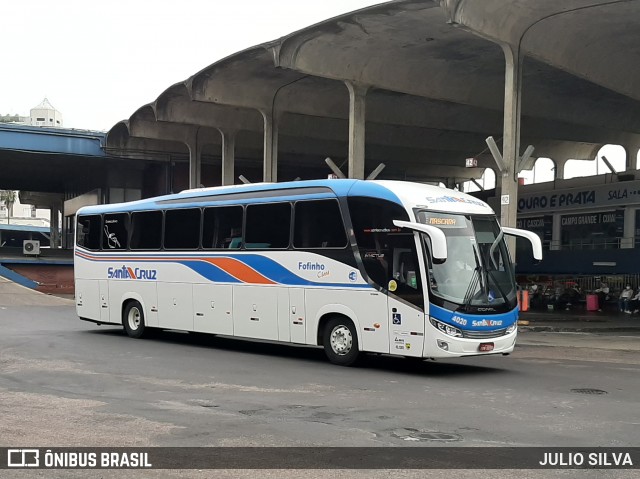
x=341, y=342
x=133, y=319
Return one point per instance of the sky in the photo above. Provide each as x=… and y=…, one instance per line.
x=99, y=61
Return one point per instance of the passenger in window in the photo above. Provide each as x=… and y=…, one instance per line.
x=235, y=241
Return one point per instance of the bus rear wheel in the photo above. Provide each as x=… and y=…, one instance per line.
x=341, y=342
x=133, y=319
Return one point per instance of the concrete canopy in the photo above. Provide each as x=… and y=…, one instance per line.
x=434, y=73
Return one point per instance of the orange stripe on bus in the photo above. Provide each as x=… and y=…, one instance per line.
x=239, y=270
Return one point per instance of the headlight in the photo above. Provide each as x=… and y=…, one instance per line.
x=512, y=328
x=446, y=328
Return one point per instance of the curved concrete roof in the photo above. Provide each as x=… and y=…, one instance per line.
x=435, y=73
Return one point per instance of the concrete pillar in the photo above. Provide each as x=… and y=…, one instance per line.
x=511, y=136
x=195, y=166
x=560, y=169
x=628, y=236
x=228, y=156
x=53, y=226
x=64, y=241
x=556, y=233
x=270, y=164
x=357, y=117
x=631, y=153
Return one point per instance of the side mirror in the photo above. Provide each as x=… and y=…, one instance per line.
x=533, y=238
x=438, y=239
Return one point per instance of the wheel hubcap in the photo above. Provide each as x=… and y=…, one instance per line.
x=134, y=318
x=341, y=340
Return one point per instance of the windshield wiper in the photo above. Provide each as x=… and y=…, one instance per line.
x=493, y=247
x=477, y=277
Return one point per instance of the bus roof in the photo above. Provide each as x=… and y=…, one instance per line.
x=410, y=195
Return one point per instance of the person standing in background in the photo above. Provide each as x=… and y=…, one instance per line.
x=603, y=293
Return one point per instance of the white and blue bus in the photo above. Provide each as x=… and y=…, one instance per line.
x=354, y=266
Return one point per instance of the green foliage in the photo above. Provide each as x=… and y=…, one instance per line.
x=8, y=196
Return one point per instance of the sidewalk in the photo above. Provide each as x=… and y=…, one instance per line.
x=579, y=320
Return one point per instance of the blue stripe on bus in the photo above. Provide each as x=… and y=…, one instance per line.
x=339, y=188
x=446, y=316
x=265, y=266
x=373, y=190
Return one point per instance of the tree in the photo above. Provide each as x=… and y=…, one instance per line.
x=8, y=197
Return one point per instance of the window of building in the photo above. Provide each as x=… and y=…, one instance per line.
x=268, y=226
x=39, y=119
x=222, y=227
x=88, y=231
x=146, y=230
x=318, y=224
x=592, y=230
x=116, y=231
x=182, y=229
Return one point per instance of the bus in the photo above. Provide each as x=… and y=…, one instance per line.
x=354, y=266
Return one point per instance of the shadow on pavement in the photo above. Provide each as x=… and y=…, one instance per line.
x=413, y=366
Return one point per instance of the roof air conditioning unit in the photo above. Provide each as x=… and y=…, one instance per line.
x=31, y=247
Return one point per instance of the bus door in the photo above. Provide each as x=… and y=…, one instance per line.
x=297, y=319
x=405, y=296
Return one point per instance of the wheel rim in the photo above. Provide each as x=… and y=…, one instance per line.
x=134, y=318
x=341, y=340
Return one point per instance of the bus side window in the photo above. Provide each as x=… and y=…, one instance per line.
x=89, y=231
x=222, y=227
x=318, y=224
x=146, y=230
x=116, y=231
x=373, y=227
x=268, y=225
x=405, y=268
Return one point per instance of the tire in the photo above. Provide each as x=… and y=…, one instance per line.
x=133, y=320
x=341, y=342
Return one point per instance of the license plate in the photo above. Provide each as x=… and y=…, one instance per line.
x=486, y=347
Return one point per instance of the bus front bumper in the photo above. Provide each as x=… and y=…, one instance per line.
x=440, y=345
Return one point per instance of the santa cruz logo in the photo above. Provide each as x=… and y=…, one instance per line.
x=131, y=273
x=487, y=322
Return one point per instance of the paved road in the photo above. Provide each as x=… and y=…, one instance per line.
x=64, y=382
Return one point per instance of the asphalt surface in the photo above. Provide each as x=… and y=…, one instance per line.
x=64, y=382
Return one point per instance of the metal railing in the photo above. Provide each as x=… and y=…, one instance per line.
x=555, y=286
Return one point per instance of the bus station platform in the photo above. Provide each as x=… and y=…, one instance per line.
x=578, y=320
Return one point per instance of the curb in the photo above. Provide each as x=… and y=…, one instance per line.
x=562, y=329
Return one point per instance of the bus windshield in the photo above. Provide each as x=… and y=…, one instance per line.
x=478, y=271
